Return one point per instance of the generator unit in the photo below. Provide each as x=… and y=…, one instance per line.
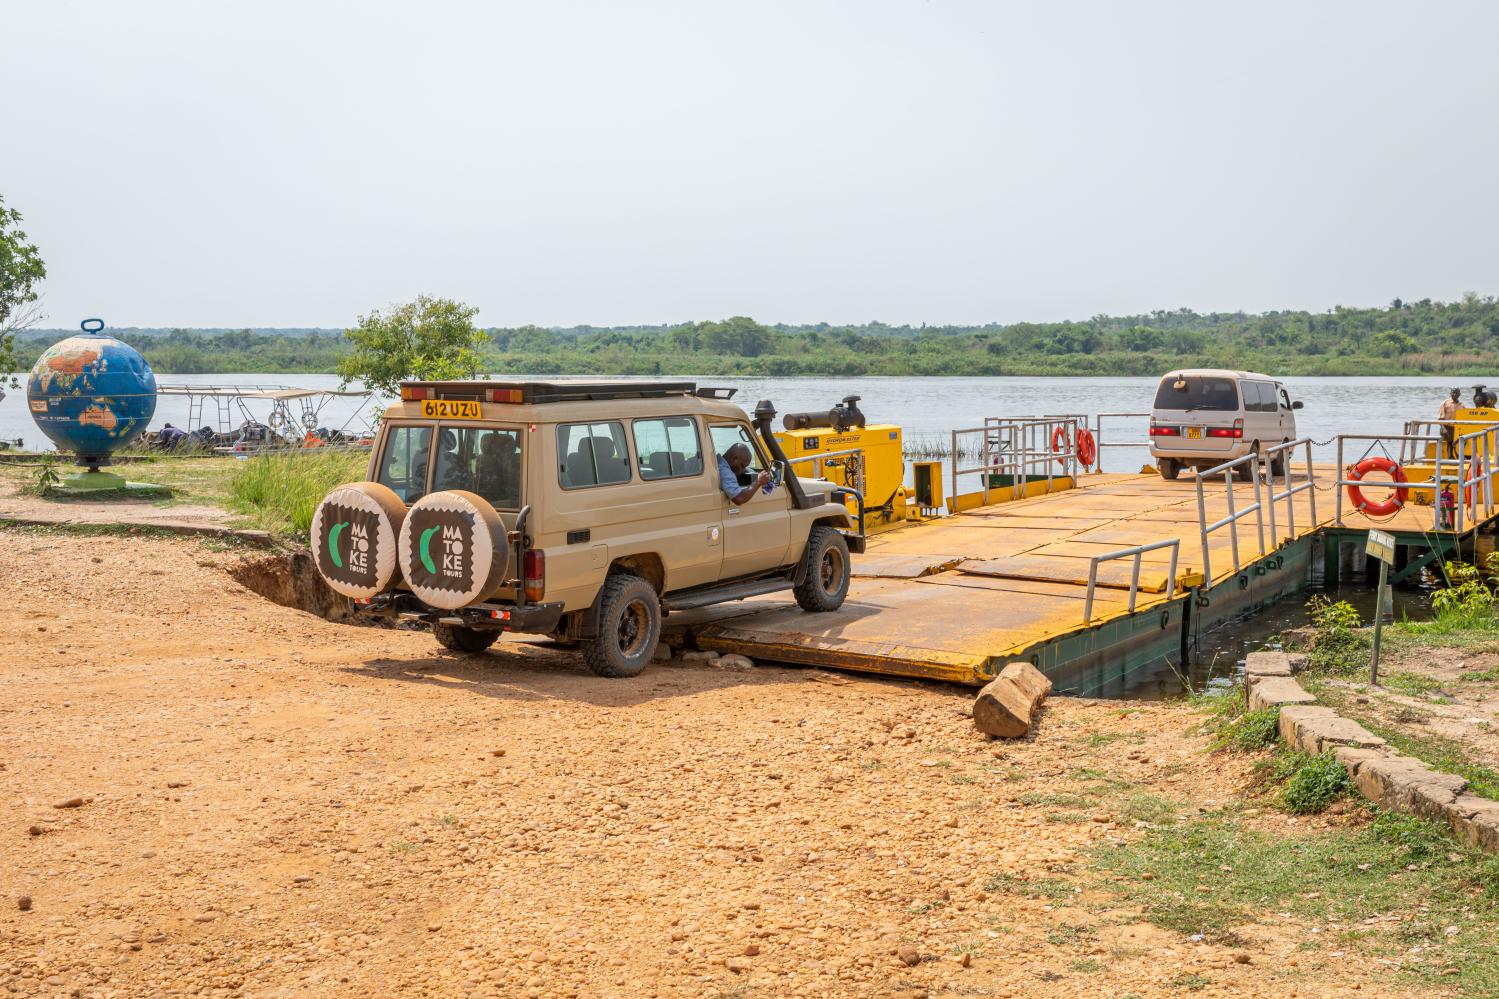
x=851, y=452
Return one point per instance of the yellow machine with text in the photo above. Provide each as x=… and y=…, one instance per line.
x=1470, y=420
x=838, y=445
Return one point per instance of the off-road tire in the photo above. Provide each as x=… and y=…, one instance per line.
x=462, y=639
x=825, y=571
x=1168, y=468
x=629, y=623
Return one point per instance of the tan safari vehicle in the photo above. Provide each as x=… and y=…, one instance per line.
x=582, y=510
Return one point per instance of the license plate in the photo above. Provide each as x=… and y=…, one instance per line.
x=450, y=409
x=1194, y=433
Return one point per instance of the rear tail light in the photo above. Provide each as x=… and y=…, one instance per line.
x=1236, y=431
x=414, y=393
x=502, y=395
x=534, y=575
x=1156, y=431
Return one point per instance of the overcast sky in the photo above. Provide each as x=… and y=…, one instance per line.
x=297, y=164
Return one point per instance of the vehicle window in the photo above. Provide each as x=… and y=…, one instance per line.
x=1259, y=397
x=484, y=461
x=727, y=436
x=403, y=466
x=1197, y=392
x=1285, y=400
x=592, y=454
x=669, y=448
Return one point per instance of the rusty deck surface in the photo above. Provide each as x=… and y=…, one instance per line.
x=950, y=599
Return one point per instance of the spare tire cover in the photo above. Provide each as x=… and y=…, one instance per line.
x=354, y=538
x=453, y=549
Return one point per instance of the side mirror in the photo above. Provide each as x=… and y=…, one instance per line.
x=1297, y=404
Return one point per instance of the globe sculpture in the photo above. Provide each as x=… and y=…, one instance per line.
x=92, y=395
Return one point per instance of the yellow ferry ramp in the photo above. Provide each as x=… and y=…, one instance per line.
x=950, y=626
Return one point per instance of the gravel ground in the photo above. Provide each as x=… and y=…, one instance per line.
x=213, y=795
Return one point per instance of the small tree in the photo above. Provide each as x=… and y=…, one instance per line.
x=21, y=270
x=430, y=338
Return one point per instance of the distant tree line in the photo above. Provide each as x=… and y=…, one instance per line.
x=1459, y=337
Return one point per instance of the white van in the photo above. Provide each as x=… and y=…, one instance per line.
x=1205, y=416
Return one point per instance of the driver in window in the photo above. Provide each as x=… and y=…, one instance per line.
x=731, y=464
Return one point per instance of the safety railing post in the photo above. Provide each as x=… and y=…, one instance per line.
x=1311, y=478
x=1337, y=488
x=1202, y=521
x=1233, y=520
x=953, y=455
x=1134, y=581
x=1171, y=572
x=1436, y=496
x=1088, y=600
x=1269, y=471
x=1259, y=504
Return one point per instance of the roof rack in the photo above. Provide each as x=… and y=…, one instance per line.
x=716, y=393
x=540, y=392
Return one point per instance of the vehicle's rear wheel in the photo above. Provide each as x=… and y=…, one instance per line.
x=1245, y=472
x=1278, y=463
x=1168, y=468
x=462, y=639
x=629, y=627
x=825, y=571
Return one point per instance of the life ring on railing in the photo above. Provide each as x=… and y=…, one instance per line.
x=1061, y=443
x=1377, y=463
x=1087, y=448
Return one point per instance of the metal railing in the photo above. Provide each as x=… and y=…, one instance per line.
x=1234, y=515
x=1285, y=451
x=1101, y=443
x=817, y=460
x=1018, y=447
x=1462, y=483
x=1424, y=429
x=1134, y=577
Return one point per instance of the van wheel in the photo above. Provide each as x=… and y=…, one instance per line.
x=461, y=639
x=824, y=571
x=629, y=627
x=1245, y=472
x=1169, y=468
x=1278, y=464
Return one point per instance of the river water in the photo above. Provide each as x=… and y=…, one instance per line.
x=927, y=408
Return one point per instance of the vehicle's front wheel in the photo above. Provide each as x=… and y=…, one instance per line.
x=629, y=627
x=461, y=639
x=1169, y=468
x=825, y=571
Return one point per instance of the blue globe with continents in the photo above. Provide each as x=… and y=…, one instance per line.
x=91, y=394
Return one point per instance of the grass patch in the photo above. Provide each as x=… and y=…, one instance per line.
x=1414, y=684
x=1481, y=676
x=1056, y=800
x=1314, y=783
x=1085, y=966
x=280, y=492
x=1215, y=874
x=1145, y=807
x=1246, y=732
x=1050, y=888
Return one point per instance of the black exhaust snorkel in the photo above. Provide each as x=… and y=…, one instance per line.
x=765, y=411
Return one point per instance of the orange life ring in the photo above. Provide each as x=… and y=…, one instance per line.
x=1061, y=443
x=1391, y=467
x=1087, y=448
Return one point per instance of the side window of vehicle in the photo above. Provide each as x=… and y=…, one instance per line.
x=1258, y=398
x=403, y=466
x=725, y=437
x=592, y=454
x=668, y=448
x=1285, y=399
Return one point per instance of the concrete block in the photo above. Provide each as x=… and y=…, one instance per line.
x=1276, y=691
x=1328, y=732
x=1475, y=821
x=1295, y=725
x=1299, y=662
x=1407, y=785
x=1354, y=758
x=1267, y=664
x=1007, y=706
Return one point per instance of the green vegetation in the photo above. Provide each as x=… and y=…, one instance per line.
x=21, y=270
x=1313, y=783
x=1217, y=873
x=1341, y=647
x=428, y=339
x=280, y=492
x=1402, y=338
x=1243, y=731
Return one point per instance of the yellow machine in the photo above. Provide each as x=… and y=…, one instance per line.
x=842, y=448
x=1469, y=421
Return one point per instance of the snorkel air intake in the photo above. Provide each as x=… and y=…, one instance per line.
x=765, y=411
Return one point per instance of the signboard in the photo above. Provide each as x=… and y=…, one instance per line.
x=1381, y=546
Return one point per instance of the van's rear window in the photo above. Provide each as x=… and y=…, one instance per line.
x=1193, y=393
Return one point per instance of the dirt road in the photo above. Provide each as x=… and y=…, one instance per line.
x=275, y=805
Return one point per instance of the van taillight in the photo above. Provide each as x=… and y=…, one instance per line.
x=413, y=393
x=1156, y=431
x=1236, y=431
x=534, y=575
